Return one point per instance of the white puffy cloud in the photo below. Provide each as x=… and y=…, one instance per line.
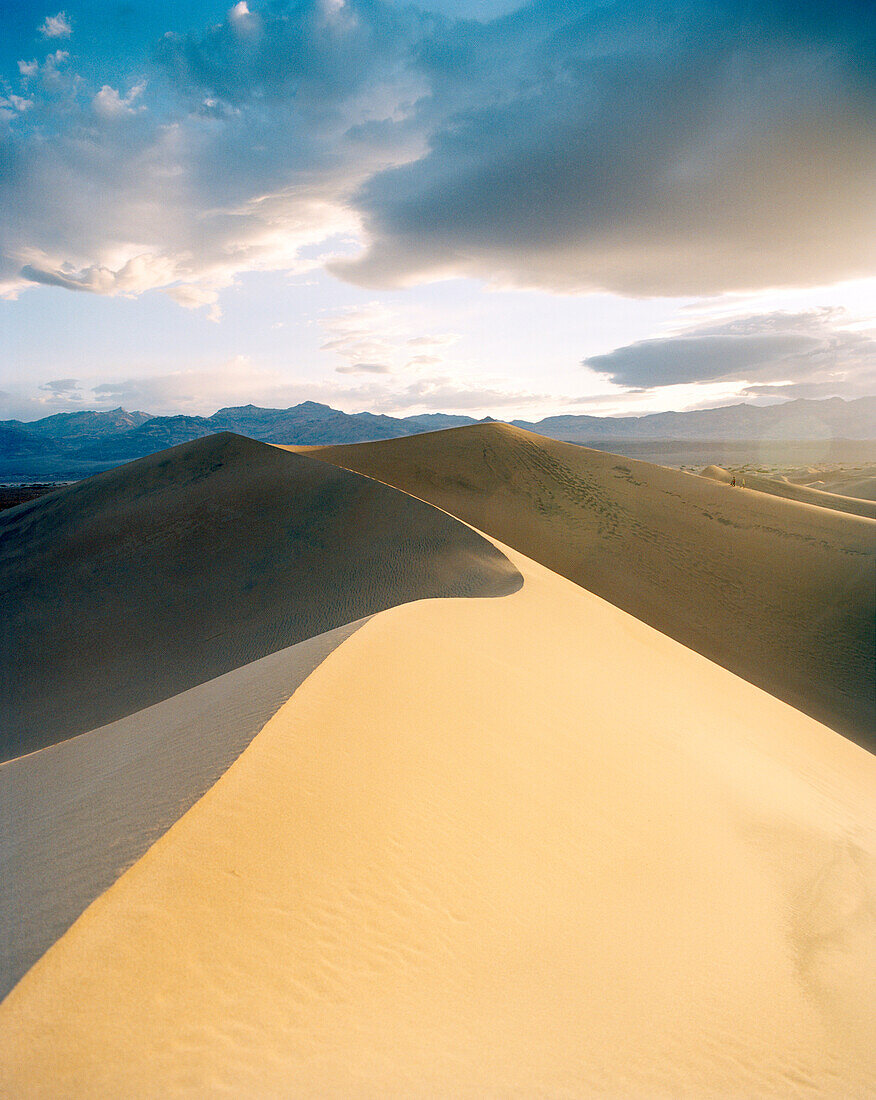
x=433, y=341
x=108, y=104
x=194, y=296
x=56, y=26
x=243, y=152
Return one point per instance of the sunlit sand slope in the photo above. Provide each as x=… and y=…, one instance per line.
x=863, y=488
x=778, y=592
x=76, y=815
x=804, y=494
x=518, y=847
x=144, y=581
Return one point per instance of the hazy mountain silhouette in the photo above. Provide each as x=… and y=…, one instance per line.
x=73, y=445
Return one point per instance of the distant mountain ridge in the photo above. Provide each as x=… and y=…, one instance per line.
x=72, y=445
x=802, y=419
x=85, y=424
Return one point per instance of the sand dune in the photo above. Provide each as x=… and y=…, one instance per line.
x=803, y=494
x=779, y=592
x=74, y=816
x=142, y=582
x=863, y=487
x=514, y=847
x=851, y=480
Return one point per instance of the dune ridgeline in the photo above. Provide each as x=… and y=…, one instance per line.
x=803, y=494
x=519, y=846
x=777, y=591
x=148, y=579
x=156, y=617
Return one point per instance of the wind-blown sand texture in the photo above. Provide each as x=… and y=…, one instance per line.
x=142, y=582
x=76, y=815
x=514, y=847
x=779, y=592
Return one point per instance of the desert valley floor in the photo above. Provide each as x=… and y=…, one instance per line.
x=466, y=764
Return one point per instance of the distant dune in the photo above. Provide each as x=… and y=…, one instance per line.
x=803, y=494
x=859, y=483
x=864, y=488
x=149, y=579
x=512, y=847
x=780, y=592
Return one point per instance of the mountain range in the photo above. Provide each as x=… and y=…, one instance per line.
x=76, y=444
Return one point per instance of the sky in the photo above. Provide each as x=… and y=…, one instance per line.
x=471, y=206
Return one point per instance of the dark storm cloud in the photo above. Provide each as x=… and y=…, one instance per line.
x=802, y=354
x=644, y=148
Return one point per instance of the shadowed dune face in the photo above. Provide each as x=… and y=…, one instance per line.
x=147, y=580
x=776, y=591
x=75, y=815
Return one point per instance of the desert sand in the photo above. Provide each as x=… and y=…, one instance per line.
x=780, y=592
x=789, y=490
x=80, y=812
x=525, y=846
x=860, y=484
x=151, y=578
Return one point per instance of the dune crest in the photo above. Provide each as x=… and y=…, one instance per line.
x=142, y=582
x=813, y=493
x=77, y=814
x=778, y=592
x=552, y=853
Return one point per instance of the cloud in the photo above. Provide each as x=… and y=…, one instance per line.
x=374, y=339
x=443, y=393
x=239, y=381
x=644, y=149
x=28, y=68
x=108, y=104
x=641, y=148
x=18, y=103
x=433, y=341
x=364, y=368
x=136, y=275
x=194, y=296
x=238, y=153
x=61, y=391
x=61, y=385
x=56, y=26
x=193, y=392
x=781, y=354
x=52, y=278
